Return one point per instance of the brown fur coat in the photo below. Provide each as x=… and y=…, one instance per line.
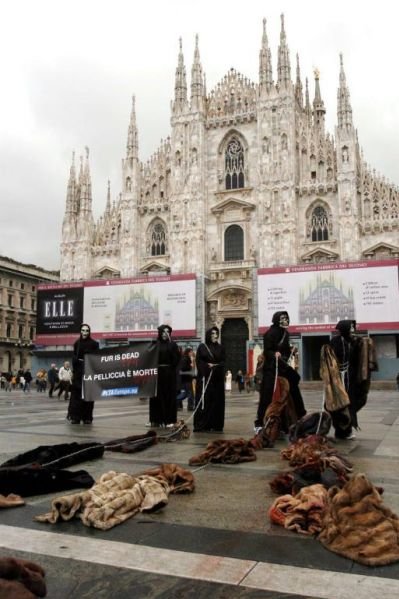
x=225, y=451
x=335, y=395
x=21, y=579
x=302, y=513
x=357, y=525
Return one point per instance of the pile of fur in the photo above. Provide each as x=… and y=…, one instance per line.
x=280, y=407
x=310, y=473
x=21, y=579
x=225, y=451
x=357, y=525
x=11, y=500
x=179, y=479
x=316, y=448
x=179, y=432
x=302, y=513
x=116, y=497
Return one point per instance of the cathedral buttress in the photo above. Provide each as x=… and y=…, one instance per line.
x=187, y=197
x=84, y=222
x=129, y=200
x=69, y=225
x=347, y=164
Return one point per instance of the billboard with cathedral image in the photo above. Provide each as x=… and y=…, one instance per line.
x=117, y=308
x=317, y=296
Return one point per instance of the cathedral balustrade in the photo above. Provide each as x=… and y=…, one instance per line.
x=220, y=270
x=232, y=265
x=378, y=226
x=226, y=120
x=316, y=187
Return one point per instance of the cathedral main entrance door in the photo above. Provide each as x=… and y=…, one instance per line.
x=234, y=337
x=311, y=347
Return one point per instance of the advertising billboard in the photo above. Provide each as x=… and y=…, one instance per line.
x=317, y=296
x=116, y=308
x=59, y=310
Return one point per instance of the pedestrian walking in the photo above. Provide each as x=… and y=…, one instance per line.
x=65, y=381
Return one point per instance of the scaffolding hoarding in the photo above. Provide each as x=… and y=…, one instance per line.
x=116, y=308
x=317, y=296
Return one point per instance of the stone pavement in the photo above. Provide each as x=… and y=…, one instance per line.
x=216, y=542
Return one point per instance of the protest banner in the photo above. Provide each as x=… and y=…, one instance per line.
x=121, y=371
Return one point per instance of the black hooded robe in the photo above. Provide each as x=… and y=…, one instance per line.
x=210, y=417
x=163, y=407
x=277, y=339
x=78, y=409
x=347, y=351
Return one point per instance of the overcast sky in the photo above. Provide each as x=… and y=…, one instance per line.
x=69, y=70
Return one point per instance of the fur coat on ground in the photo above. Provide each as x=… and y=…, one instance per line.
x=316, y=448
x=225, y=451
x=115, y=498
x=357, y=525
x=11, y=500
x=21, y=579
x=302, y=513
x=312, y=473
x=179, y=479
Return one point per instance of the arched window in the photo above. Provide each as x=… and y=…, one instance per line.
x=157, y=240
x=234, y=164
x=233, y=243
x=319, y=224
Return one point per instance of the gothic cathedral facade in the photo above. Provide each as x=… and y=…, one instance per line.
x=249, y=178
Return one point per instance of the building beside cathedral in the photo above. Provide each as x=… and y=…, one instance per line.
x=249, y=178
x=18, y=308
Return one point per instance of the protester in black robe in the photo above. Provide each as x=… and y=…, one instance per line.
x=163, y=407
x=276, y=346
x=210, y=360
x=348, y=349
x=78, y=409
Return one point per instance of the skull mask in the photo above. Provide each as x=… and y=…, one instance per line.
x=165, y=335
x=284, y=320
x=85, y=331
x=214, y=336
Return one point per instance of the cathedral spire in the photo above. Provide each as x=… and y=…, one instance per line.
x=108, y=203
x=298, y=84
x=85, y=184
x=197, y=80
x=132, y=146
x=180, y=81
x=318, y=105
x=81, y=170
x=71, y=189
x=265, y=63
x=283, y=62
x=308, y=109
x=344, y=108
